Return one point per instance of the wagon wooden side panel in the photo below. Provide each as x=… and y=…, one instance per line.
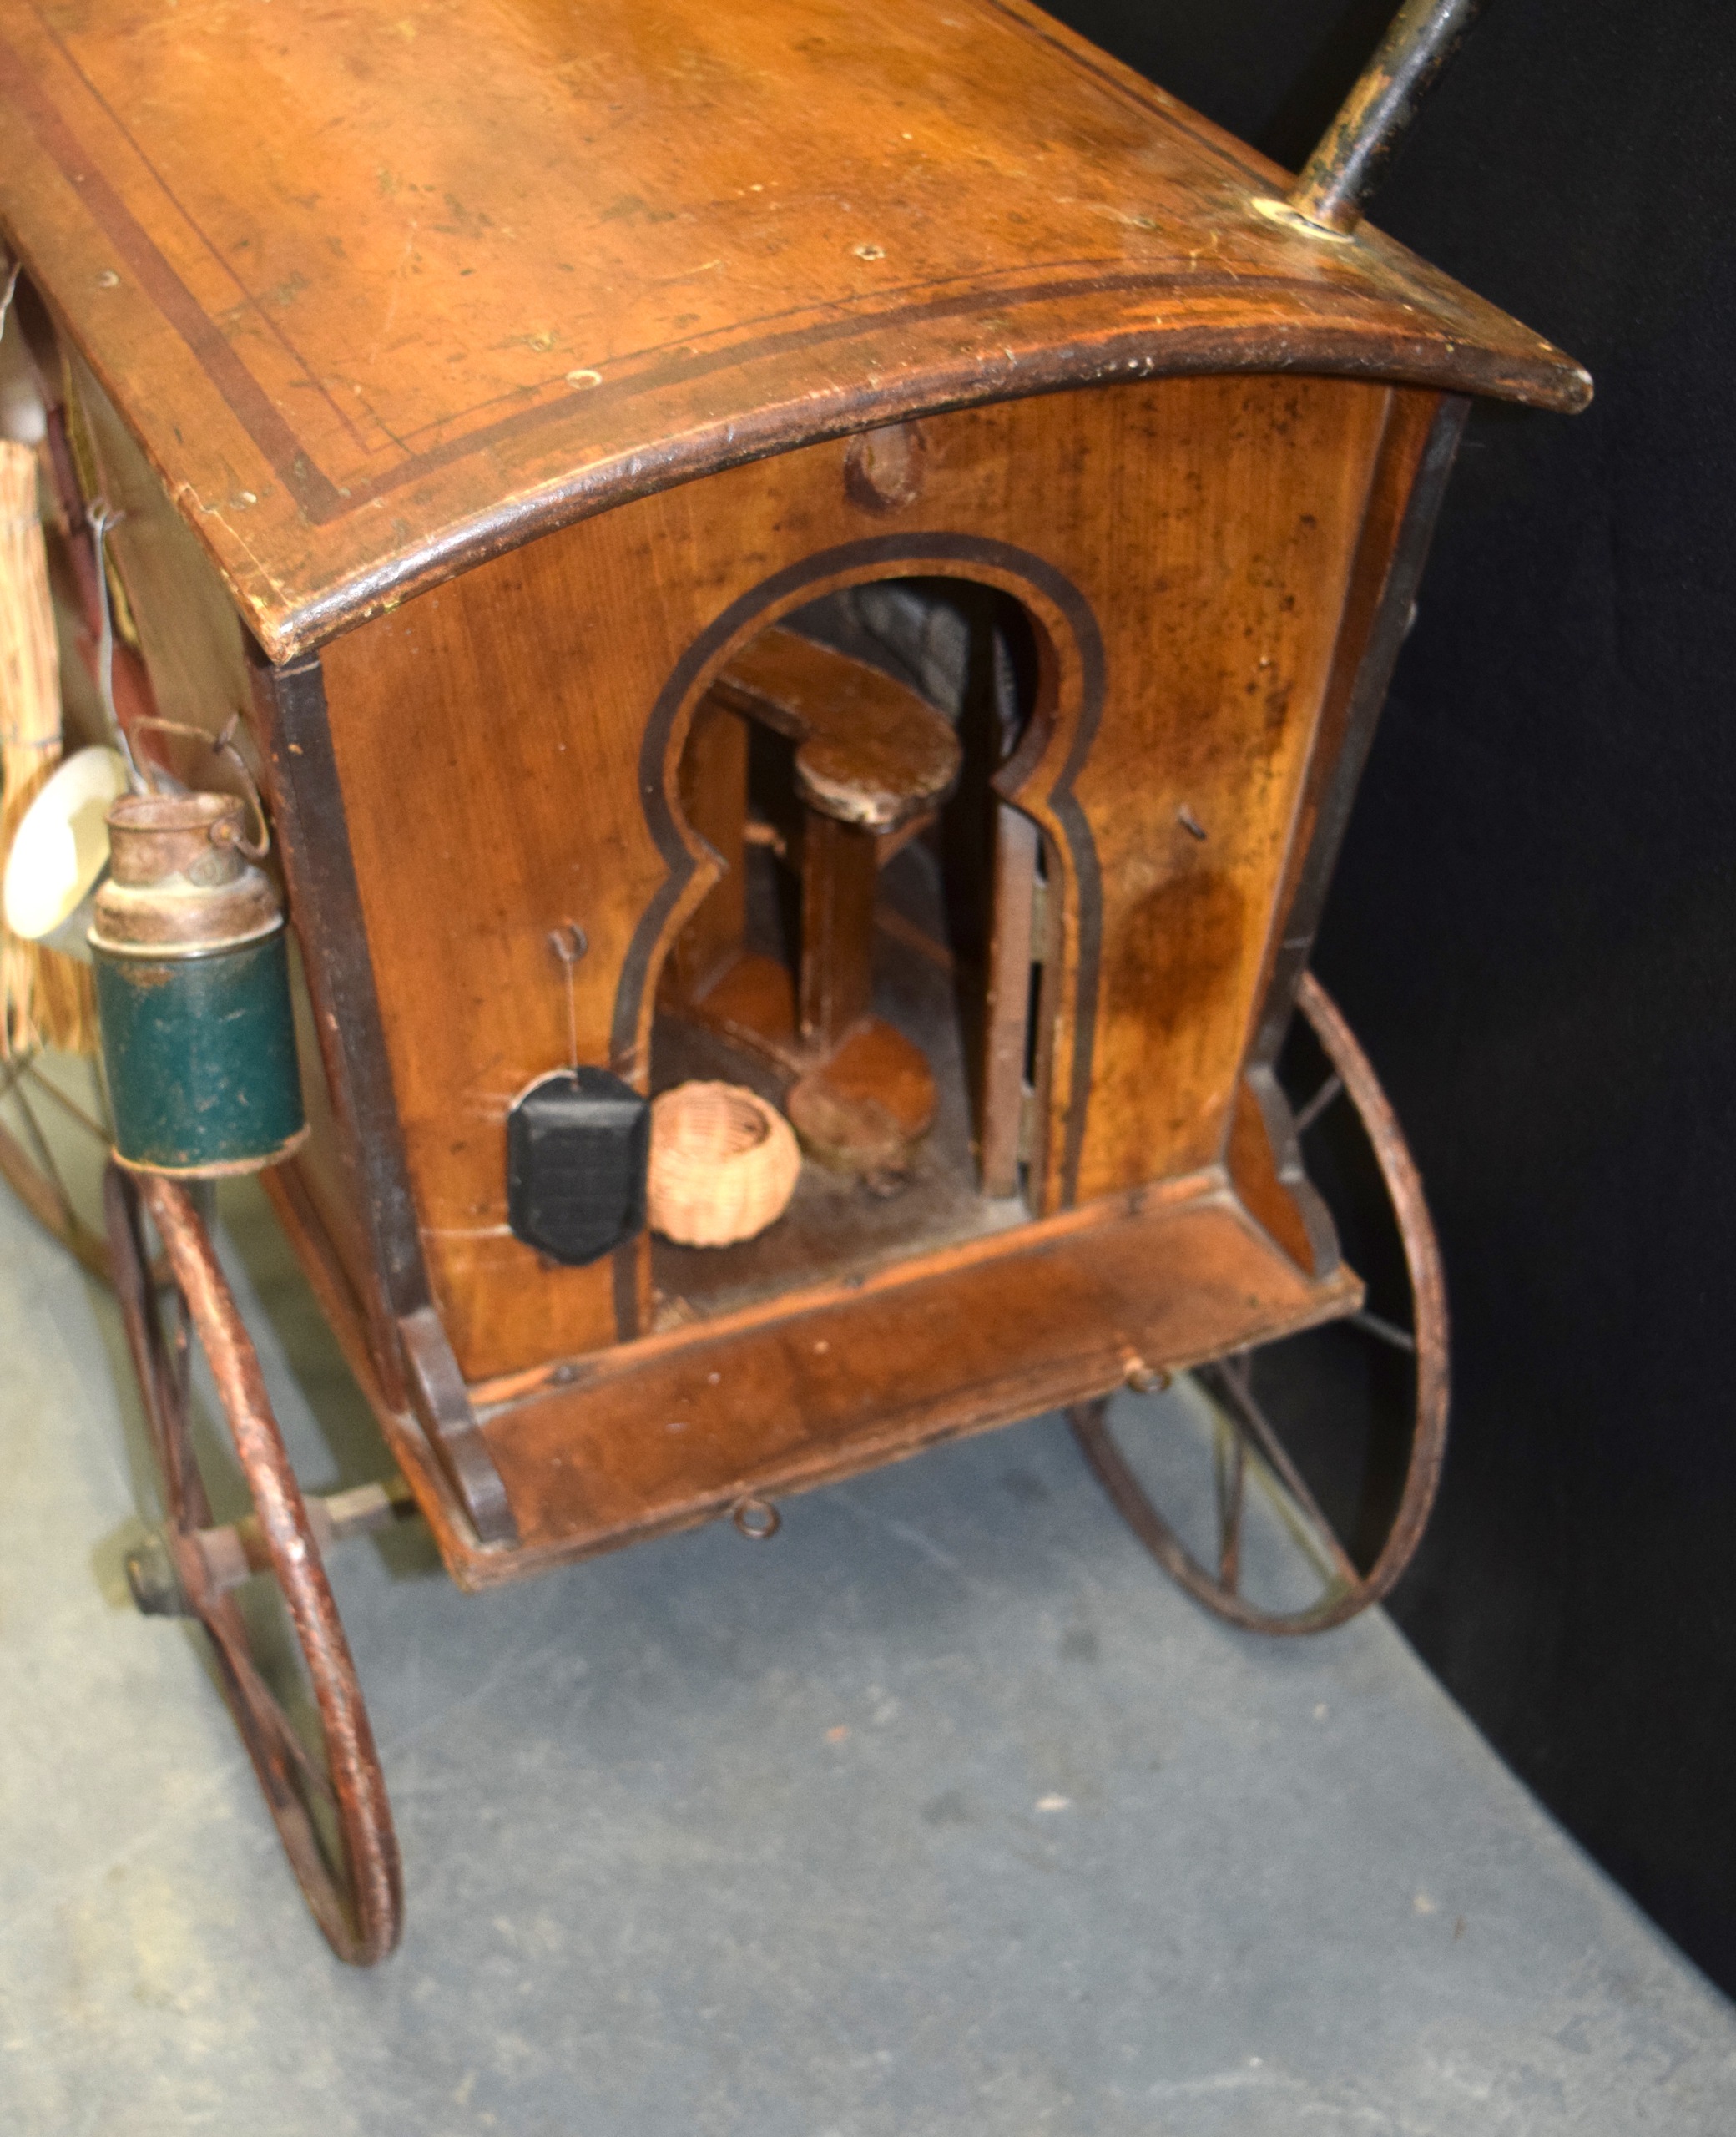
x=507, y=748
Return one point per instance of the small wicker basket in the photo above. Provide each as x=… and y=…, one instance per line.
x=723, y=1164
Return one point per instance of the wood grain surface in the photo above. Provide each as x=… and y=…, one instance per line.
x=869, y=752
x=385, y=293
x=677, y=1429
x=509, y=747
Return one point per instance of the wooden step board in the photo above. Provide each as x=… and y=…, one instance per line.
x=673, y=1430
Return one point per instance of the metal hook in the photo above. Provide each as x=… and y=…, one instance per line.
x=222, y=744
x=569, y=943
x=100, y=520
x=756, y=1518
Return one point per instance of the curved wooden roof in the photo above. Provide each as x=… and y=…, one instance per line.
x=384, y=291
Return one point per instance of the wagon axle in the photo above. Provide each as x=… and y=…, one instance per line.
x=236, y=1551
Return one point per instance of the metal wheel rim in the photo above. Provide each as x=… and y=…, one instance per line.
x=359, y=1908
x=1354, y=1592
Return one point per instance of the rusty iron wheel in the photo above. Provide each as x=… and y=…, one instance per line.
x=1253, y=1438
x=330, y=1810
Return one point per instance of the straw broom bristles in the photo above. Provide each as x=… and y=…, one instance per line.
x=46, y=998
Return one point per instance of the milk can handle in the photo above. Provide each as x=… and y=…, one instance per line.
x=222, y=744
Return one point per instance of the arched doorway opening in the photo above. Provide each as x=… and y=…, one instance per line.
x=870, y=957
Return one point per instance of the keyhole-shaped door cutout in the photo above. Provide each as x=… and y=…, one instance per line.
x=866, y=955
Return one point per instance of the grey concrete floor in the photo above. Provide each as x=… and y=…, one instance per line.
x=941, y=1813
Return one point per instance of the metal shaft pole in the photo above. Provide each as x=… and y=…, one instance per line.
x=1356, y=148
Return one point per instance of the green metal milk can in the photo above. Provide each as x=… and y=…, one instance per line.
x=193, y=991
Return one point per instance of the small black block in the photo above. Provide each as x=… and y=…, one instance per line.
x=576, y=1146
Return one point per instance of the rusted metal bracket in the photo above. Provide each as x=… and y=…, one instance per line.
x=442, y=1405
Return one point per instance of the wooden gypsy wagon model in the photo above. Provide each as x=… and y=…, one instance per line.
x=849, y=553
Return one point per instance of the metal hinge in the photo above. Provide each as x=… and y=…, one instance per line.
x=1039, y=920
x=1030, y=1126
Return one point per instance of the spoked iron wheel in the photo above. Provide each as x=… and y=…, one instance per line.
x=1251, y=1439
x=332, y=1811
x=54, y=1137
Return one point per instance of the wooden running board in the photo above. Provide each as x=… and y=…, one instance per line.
x=671, y=1430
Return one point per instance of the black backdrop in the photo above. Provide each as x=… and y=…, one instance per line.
x=1534, y=925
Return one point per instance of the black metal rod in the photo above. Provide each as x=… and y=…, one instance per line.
x=1356, y=148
